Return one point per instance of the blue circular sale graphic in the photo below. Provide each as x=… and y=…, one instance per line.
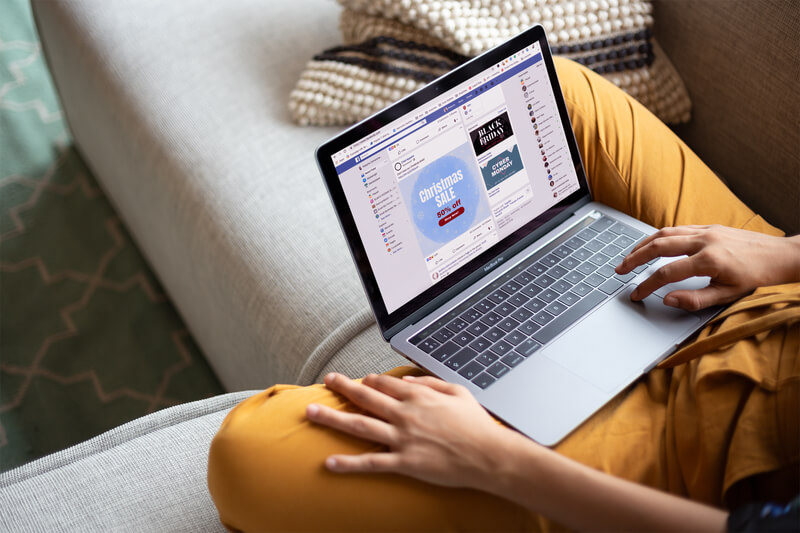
x=445, y=199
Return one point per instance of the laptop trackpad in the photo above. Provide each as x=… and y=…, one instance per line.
x=611, y=347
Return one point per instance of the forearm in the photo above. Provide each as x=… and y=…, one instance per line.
x=582, y=498
x=792, y=260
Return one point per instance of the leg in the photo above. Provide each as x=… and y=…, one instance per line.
x=636, y=164
x=266, y=473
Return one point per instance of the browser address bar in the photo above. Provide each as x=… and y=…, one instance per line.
x=408, y=131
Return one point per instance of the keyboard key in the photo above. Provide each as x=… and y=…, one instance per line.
x=445, y=350
x=524, y=278
x=599, y=259
x=507, y=324
x=556, y=308
x=634, y=234
x=640, y=268
x=569, y=317
x=557, y=271
x=570, y=262
x=528, y=327
x=457, y=325
x=463, y=338
x=606, y=271
x=623, y=241
x=443, y=335
x=587, y=234
x=480, y=344
x=461, y=358
x=514, y=338
x=498, y=369
x=575, y=242
x=513, y=359
x=471, y=370
x=611, y=250
x=574, y=277
x=470, y=315
x=486, y=358
x=538, y=269
x=495, y=334
x=581, y=289
x=484, y=306
x=491, y=318
x=543, y=318
x=521, y=314
x=550, y=260
x=586, y=268
x=428, y=345
x=594, y=280
x=483, y=380
x=602, y=223
x=561, y=286
x=527, y=347
x=615, y=261
x=548, y=295
x=478, y=328
x=535, y=305
x=519, y=299
x=625, y=278
x=501, y=348
x=531, y=290
x=544, y=281
x=562, y=251
x=511, y=287
x=593, y=246
x=610, y=286
x=606, y=237
x=497, y=297
x=617, y=228
x=504, y=309
x=583, y=254
x=569, y=298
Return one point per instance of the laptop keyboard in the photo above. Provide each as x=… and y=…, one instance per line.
x=484, y=338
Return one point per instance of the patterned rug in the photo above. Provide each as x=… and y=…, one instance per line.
x=88, y=338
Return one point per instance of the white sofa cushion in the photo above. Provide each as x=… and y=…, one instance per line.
x=180, y=109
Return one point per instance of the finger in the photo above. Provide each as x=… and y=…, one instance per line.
x=671, y=273
x=660, y=247
x=366, y=462
x=365, y=397
x=702, y=298
x=436, y=384
x=666, y=232
x=357, y=425
x=394, y=387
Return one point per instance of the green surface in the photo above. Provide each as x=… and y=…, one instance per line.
x=88, y=338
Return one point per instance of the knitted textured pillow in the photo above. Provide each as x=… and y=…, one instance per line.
x=393, y=47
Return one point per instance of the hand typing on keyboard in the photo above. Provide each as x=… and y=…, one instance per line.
x=737, y=261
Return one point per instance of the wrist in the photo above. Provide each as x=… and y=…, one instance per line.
x=514, y=473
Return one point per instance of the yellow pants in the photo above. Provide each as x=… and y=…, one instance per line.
x=697, y=429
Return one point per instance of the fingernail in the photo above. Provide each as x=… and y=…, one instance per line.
x=671, y=301
x=330, y=462
x=329, y=378
x=312, y=409
x=409, y=378
x=635, y=294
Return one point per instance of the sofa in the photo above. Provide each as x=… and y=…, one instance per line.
x=180, y=110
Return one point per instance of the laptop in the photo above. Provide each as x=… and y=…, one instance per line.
x=468, y=215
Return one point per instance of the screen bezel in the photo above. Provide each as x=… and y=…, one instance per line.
x=497, y=255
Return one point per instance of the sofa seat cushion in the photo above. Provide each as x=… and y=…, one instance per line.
x=146, y=475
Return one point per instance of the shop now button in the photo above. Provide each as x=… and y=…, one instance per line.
x=451, y=216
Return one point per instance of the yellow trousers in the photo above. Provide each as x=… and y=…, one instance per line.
x=708, y=428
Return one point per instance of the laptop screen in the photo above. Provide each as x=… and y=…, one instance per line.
x=441, y=184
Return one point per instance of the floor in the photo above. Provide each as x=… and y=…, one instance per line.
x=88, y=338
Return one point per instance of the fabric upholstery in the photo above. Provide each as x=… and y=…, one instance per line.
x=147, y=475
x=180, y=110
x=741, y=66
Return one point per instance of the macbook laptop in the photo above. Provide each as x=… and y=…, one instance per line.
x=468, y=215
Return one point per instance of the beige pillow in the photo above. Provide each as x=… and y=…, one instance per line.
x=393, y=47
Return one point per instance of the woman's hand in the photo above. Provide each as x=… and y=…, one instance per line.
x=435, y=431
x=737, y=261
